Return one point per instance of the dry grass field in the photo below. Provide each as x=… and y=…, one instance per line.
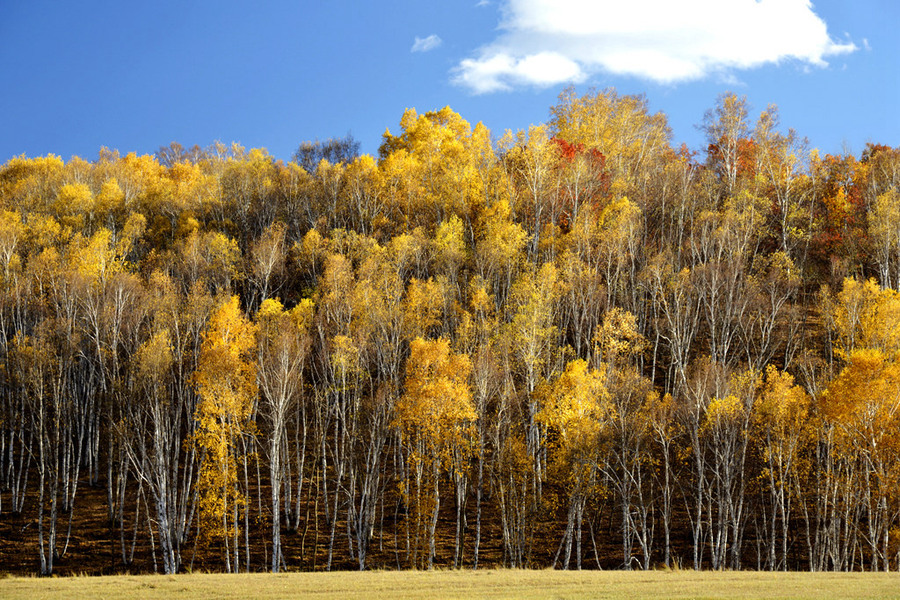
x=394, y=585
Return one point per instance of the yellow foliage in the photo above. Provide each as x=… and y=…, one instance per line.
x=619, y=221
x=344, y=355
x=724, y=411
x=863, y=315
x=449, y=243
x=12, y=230
x=226, y=384
x=479, y=298
x=499, y=247
x=620, y=127
x=74, y=198
x=154, y=357
x=29, y=184
x=436, y=164
x=659, y=412
x=43, y=231
x=424, y=306
x=864, y=399
x=436, y=410
x=274, y=321
x=532, y=327
x=111, y=197
x=782, y=420
x=95, y=259
x=212, y=258
x=618, y=337
x=782, y=406
x=133, y=229
x=577, y=406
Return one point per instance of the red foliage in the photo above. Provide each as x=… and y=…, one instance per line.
x=599, y=177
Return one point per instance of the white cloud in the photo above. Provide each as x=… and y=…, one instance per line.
x=548, y=42
x=426, y=44
x=503, y=72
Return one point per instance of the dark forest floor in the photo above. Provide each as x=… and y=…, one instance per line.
x=96, y=548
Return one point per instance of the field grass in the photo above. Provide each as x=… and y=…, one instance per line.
x=462, y=584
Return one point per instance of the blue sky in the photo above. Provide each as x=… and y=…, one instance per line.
x=135, y=76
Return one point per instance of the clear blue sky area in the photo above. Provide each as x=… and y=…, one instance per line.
x=133, y=76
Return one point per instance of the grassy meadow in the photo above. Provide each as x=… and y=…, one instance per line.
x=404, y=585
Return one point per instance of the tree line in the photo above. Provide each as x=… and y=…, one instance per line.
x=560, y=327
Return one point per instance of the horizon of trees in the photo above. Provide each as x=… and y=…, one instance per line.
x=577, y=331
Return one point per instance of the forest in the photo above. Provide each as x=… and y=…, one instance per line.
x=571, y=346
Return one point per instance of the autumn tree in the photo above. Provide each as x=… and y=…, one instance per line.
x=884, y=228
x=440, y=161
x=621, y=128
x=532, y=163
x=365, y=203
x=862, y=407
x=267, y=262
x=618, y=345
x=781, y=158
x=498, y=250
x=247, y=183
x=156, y=456
x=475, y=336
x=34, y=361
x=726, y=433
x=577, y=409
x=534, y=338
x=226, y=384
x=782, y=430
x=664, y=431
x=283, y=345
x=379, y=292
x=435, y=417
x=727, y=131
x=863, y=315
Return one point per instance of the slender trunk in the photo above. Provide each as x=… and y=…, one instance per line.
x=275, y=477
x=478, y=494
x=434, y=516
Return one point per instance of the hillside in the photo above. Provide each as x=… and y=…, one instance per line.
x=575, y=346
